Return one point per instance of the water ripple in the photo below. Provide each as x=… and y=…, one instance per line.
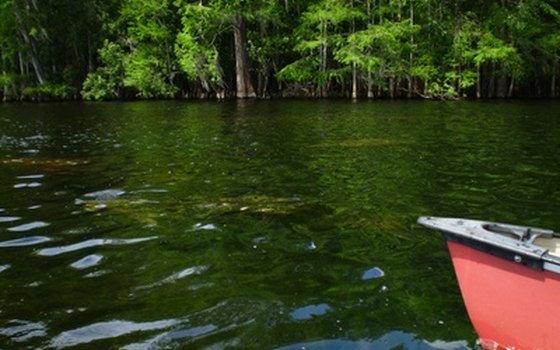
x=30, y=177
x=91, y=243
x=88, y=261
x=391, y=340
x=9, y=218
x=29, y=226
x=4, y=267
x=22, y=331
x=110, y=193
x=105, y=330
x=194, y=270
x=26, y=241
x=373, y=273
x=185, y=273
x=165, y=338
x=308, y=312
x=95, y=274
x=206, y=227
x=152, y=190
x=27, y=185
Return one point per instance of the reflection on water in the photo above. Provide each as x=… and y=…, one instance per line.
x=90, y=244
x=21, y=331
x=105, y=194
x=195, y=270
x=87, y=261
x=32, y=176
x=28, y=227
x=102, y=330
x=9, y=218
x=255, y=224
x=308, y=312
x=373, y=273
x=27, y=184
x=22, y=242
x=392, y=340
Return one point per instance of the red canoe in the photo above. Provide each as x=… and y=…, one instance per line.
x=510, y=281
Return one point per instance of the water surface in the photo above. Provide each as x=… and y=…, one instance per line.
x=256, y=224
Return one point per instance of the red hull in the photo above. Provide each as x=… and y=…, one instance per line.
x=511, y=306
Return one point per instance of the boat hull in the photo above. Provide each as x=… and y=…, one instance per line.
x=509, y=277
x=511, y=306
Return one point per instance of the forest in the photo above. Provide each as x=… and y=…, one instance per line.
x=360, y=49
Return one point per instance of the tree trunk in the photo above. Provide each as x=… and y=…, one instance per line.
x=478, y=83
x=354, y=66
x=370, y=93
x=510, y=90
x=245, y=87
x=324, y=51
x=354, y=81
x=34, y=56
x=30, y=42
x=21, y=64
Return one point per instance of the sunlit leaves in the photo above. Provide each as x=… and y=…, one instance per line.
x=145, y=71
x=142, y=60
x=329, y=13
x=196, y=46
x=318, y=36
x=492, y=49
x=107, y=81
x=302, y=70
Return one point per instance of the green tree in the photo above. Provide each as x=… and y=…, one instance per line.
x=218, y=18
x=8, y=50
x=149, y=64
x=319, y=35
x=380, y=51
x=107, y=81
x=493, y=51
x=197, y=49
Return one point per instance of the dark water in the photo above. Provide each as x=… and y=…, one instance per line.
x=256, y=225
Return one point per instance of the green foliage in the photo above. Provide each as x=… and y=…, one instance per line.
x=465, y=78
x=302, y=70
x=156, y=48
x=96, y=87
x=492, y=49
x=379, y=48
x=49, y=92
x=149, y=67
x=329, y=13
x=195, y=49
x=108, y=80
x=5, y=79
x=144, y=71
x=424, y=69
x=318, y=37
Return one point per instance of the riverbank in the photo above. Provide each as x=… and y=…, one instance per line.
x=63, y=93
